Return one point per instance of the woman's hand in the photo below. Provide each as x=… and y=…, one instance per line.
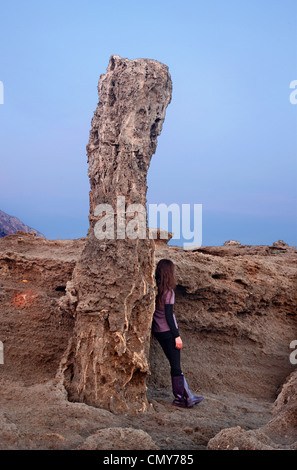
x=178, y=343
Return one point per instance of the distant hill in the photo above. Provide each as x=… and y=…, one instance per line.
x=10, y=225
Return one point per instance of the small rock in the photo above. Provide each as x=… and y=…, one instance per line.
x=232, y=243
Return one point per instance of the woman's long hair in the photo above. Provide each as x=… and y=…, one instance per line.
x=164, y=278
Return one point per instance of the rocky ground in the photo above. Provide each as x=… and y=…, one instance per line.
x=236, y=309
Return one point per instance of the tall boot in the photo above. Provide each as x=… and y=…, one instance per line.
x=178, y=388
x=191, y=399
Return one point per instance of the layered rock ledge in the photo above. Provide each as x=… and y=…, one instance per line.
x=236, y=307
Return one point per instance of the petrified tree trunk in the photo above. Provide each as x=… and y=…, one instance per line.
x=113, y=285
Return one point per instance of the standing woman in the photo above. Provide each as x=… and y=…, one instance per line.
x=165, y=330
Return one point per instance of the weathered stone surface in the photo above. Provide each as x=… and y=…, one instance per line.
x=279, y=433
x=119, y=439
x=34, y=331
x=238, y=439
x=231, y=242
x=113, y=286
x=9, y=433
x=161, y=237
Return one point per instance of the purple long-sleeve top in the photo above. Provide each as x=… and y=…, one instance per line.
x=160, y=323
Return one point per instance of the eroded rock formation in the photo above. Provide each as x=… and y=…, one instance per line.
x=278, y=434
x=236, y=304
x=236, y=309
x=112, y=288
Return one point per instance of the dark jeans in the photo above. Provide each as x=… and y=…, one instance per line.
x=167, y=343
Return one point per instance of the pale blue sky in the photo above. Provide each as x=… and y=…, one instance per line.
x=229, y=140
